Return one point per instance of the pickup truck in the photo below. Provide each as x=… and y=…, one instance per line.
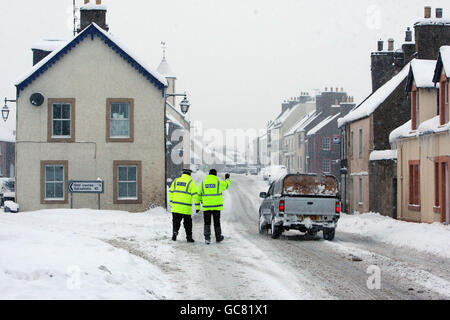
x=306, y=202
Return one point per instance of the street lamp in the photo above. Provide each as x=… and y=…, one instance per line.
x=5, y=110
x=185, y=105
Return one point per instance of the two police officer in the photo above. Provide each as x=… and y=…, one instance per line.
x=183, y=192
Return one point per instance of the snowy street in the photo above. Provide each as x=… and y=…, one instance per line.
x=86, y=254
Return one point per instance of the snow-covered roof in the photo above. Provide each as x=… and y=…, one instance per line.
x=433, y=21
x=298, y=124
x=49, y=45
x=322, y=124
x=378, y=155
x=93, y=6
x=422, y=71
x=165, y=70
x=442, y=62
x=367, y=107
x=173, y=119
x=427, y=127
x=93, y=30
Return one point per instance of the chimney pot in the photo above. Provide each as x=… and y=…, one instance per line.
x=439, y=13
x=380, y=45
x=408, y=37
x=427, y=12
x=326, y=89
x=391, y=44
x=86, y=1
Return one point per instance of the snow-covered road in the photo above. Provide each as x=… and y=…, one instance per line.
x=86, y=254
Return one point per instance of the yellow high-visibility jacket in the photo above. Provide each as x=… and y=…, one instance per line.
x=182, y=191
x=211, y=193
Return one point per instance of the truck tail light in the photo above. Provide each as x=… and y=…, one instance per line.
x=281, y=206
x=338, y=207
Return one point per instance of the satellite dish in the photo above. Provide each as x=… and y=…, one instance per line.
x=37, y=99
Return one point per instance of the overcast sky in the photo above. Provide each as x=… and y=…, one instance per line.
x=238, y=59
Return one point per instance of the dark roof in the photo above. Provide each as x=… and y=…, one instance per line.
x=92, y=30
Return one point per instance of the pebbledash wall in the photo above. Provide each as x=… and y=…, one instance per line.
x=91, y=73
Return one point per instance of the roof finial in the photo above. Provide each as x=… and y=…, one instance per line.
x=164, y=48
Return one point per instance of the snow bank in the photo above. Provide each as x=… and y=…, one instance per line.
x=432, y=238
x=383, y=155
x=77, y=254
x=369, y=106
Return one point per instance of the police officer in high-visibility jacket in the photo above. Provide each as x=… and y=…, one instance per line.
x=211, y=195
x=181, y=194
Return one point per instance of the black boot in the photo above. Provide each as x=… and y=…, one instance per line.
x=219, y=236
x=174, y=236
x=189, y=239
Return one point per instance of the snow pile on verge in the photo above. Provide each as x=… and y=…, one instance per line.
x=79, y=254
x=431, y=238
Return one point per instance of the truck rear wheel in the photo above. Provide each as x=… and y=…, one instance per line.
x=328, y=234
x=263, y=229
x=276, y=230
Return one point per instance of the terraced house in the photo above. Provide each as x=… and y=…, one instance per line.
x=423, y=143
x=101, y=115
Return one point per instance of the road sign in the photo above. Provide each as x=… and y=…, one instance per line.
x=96, y=186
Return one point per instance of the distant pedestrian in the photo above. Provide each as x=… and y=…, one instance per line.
x=211, y=196
x=181, y=194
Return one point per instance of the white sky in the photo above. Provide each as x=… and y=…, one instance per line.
x=238, y=59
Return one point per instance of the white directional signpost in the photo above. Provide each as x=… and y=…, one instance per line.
x=95, y=187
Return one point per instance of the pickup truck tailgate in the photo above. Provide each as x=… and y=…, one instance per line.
x=310, y=206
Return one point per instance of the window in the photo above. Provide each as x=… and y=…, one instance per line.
x=61, y=120
x=120, y=120
x=300, y=162
x=414, y=185
x=360, y=142
x=326, y=166
x=326, y=144
x=414, y=109
x=361, y=198
x=351, y=144
x=54, y=176
x=444, y=112
x=127, y=182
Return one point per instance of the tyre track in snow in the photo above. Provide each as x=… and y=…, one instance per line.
x=331, y=265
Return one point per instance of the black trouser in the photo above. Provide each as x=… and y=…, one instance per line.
x=176, y=219
x=217, y=229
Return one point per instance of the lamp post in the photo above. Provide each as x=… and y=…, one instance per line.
x=184, y=106
x=5, y=110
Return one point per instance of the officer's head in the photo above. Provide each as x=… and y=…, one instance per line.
x=213, y=172
x=187, y=171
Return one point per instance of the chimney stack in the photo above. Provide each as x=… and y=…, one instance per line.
x=391, y=44
x=427, y=12
x=93, y=13
x=439, y=13
x=380, y=45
